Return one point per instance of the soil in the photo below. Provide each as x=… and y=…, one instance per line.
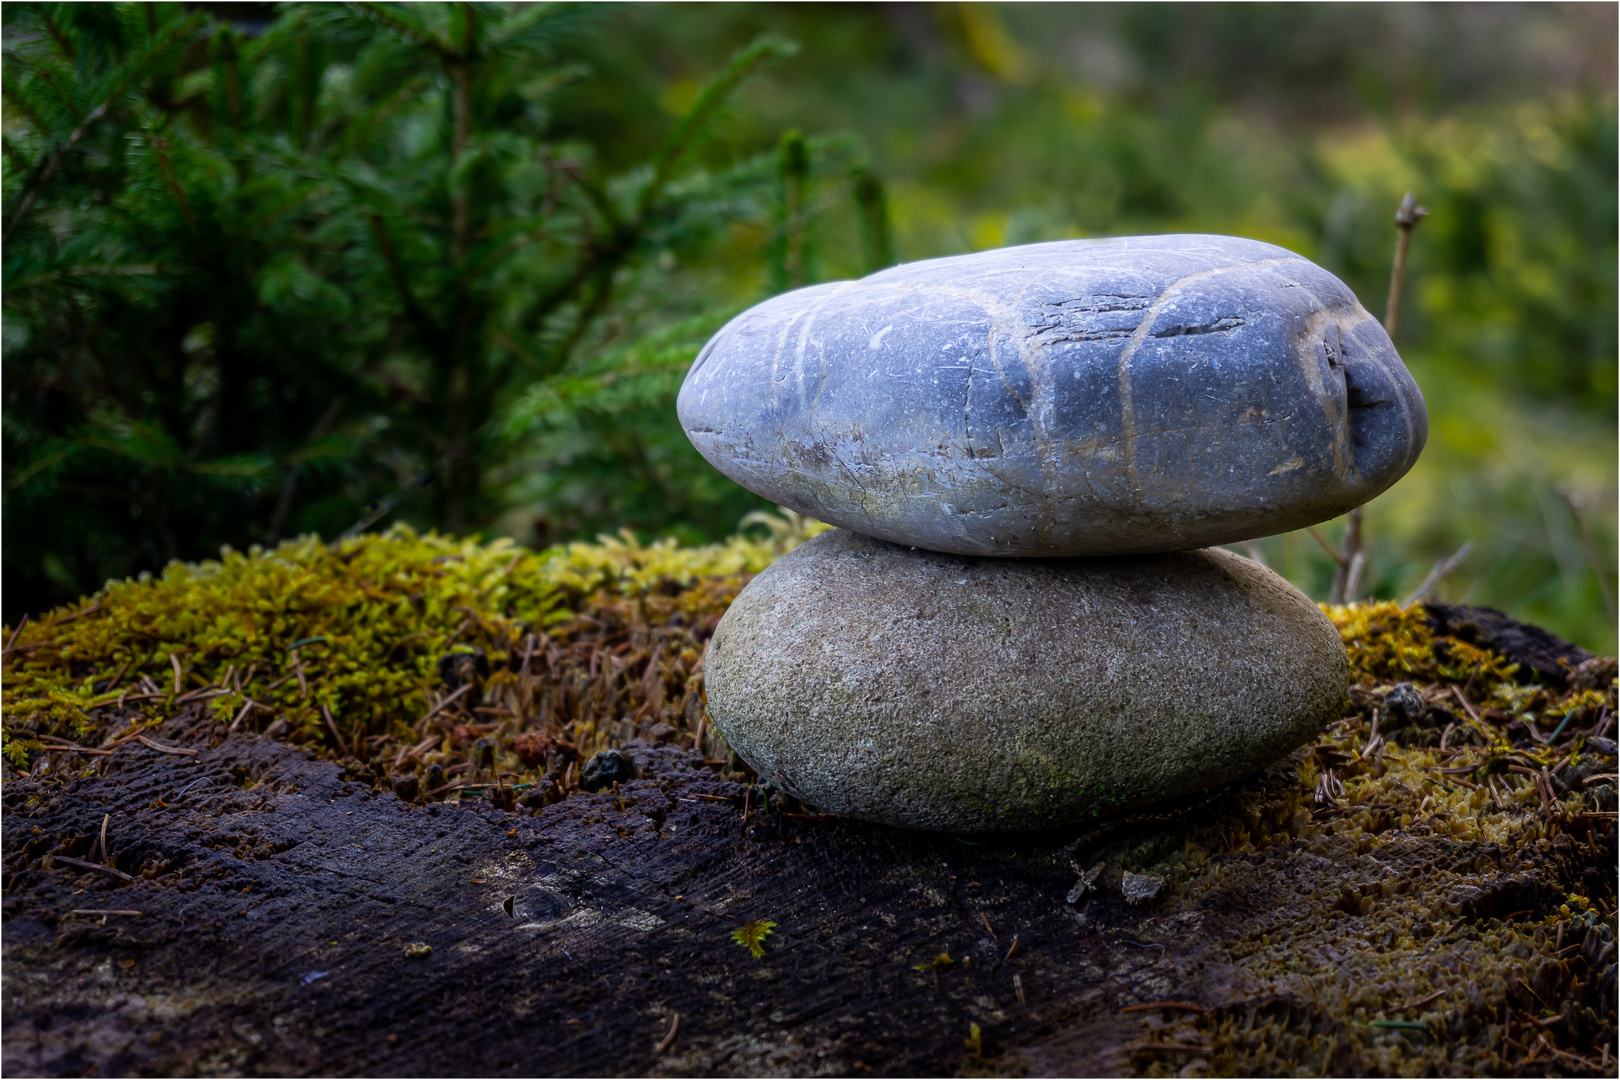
x=279, y=901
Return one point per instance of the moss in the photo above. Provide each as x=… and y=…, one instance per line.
x=361, y=630
x=1463, y=829
x=1469, y=925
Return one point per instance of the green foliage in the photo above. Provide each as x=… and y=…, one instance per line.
x=752, y=937
x=263, y=325
x=255, y=284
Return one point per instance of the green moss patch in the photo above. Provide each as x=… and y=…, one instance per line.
x=1436, y=868
x=394, y=653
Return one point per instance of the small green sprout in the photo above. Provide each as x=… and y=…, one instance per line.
x=752, y=937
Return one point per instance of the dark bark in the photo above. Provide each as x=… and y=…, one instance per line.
x=275, y=925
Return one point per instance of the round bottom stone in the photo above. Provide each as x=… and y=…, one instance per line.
x=977, y=694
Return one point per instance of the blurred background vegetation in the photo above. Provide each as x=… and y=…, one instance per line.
x=272, y=270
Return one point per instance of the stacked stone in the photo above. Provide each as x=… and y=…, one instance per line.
x=1029, y=452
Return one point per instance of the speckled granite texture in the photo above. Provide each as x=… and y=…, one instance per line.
x=947, y=692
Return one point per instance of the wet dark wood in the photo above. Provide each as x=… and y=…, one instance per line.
x=273, y=935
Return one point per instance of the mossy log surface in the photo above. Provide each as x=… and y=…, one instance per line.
x=1351, y=910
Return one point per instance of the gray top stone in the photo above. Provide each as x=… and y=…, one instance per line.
x=1083, y=397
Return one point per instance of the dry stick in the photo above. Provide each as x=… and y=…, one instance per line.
x=1441, y=571
x=331, y=726
x=279, y=681
x=1467, y=705
x=1338, y=560
x=122, y=739
x=211, y=690
x=411, y=751
x=35, y=645
x=669, y=1039
x=101, y=841
x=82, y=864
x=174, y=659
x=437, y=708
x=1182, y=1006
x=1589, y=549
x=15, y=634
x=247, y=709
x=103, y=911
x=53, y=743
x=1352, y=558
x=65, y=619
x=986, y=919
x=164, y=748
x=697, y=736
x=1406, y=218
x=119, y=674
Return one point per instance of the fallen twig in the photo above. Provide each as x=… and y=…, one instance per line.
x=104, y=911
x=441, y=705
x=213, y=690
x=1441, y=571
x=1467, y=705
x=1418, y=1002
x=15, y=634
x=331, y=725
x=669, y=1039
x=53, y=743
x=1147, y=1006
x=81, y=863
x=164, y=748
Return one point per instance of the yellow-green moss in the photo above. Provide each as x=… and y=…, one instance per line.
x=590, y=645
x=366, y=618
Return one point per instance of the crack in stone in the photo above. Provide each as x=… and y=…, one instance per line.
x=1127, y=355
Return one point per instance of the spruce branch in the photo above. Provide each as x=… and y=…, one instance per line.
x=527, y=18
x=160, y=147
x=404, y=26
x=766, y=49
x=133, y=69
x=431, y=334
